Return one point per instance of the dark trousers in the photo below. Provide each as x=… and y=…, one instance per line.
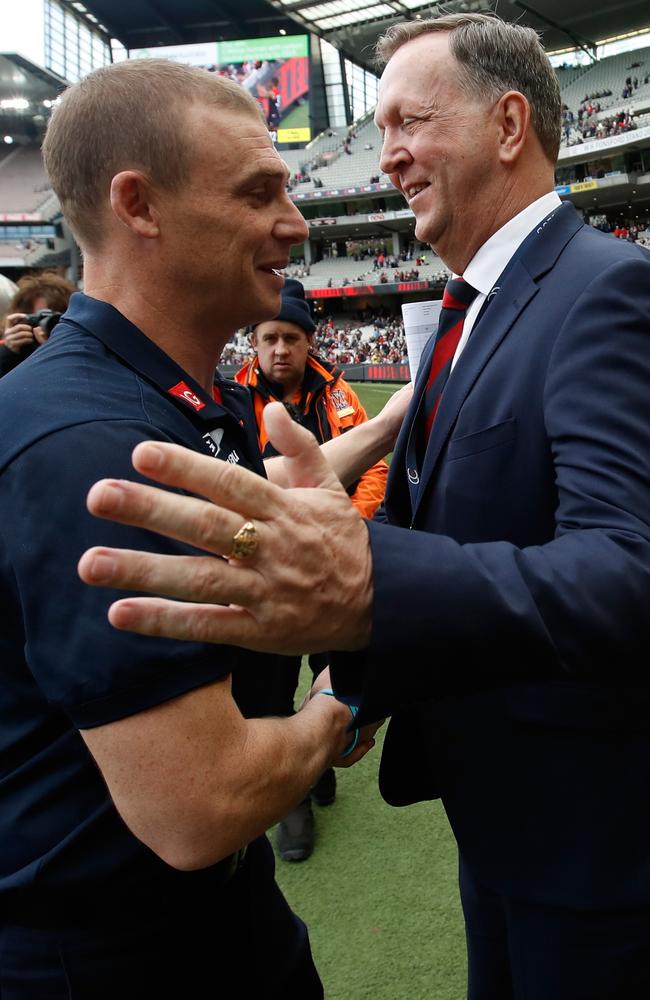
x=248, y=944
x=530, y=951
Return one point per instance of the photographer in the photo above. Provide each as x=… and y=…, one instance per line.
x=45, y=292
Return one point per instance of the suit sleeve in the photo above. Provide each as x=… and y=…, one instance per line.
x=469, y=615
x=369, y=493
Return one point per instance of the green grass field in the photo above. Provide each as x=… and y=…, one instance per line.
x=374, y=395
x=380, y=892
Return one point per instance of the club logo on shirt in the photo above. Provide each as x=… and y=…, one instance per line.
x=213, y=441
x=183, y=391
x=341, y=403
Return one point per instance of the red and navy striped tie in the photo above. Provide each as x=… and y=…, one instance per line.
x=456, y=300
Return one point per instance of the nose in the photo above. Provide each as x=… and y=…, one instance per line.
x=394, y=155
x=291, y=227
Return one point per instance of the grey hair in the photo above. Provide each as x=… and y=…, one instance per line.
x=495, y=56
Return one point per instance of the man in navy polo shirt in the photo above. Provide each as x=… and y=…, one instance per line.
x=133, y=770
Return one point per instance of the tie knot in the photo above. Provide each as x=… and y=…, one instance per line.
x=458, y=295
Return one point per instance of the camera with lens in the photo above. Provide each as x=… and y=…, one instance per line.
x=45, y=318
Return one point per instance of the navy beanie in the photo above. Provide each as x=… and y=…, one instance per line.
x=295, y=308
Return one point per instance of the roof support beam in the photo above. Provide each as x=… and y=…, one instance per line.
x=581, y=43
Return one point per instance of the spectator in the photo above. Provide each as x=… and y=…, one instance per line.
x=35, y=292
x=315, y=394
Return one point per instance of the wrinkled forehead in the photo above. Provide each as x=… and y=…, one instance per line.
x=239, y=148
x=236, y=131
x=414, y=74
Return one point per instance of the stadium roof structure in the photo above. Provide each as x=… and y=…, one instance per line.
x=24, y=81
x=350, y=25
x=34, y=82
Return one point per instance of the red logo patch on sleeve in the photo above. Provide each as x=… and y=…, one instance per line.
x=183, y=391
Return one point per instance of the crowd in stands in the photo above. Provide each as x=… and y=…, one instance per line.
x=594, y=117
x=587, y=125
x=632, y=84
x=373, y=337
x=389, y=265
x=380, y=342
x=634, y=230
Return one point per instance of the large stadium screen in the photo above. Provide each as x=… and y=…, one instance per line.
x=274, y=70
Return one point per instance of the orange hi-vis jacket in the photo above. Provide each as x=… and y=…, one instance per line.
x=327, y=406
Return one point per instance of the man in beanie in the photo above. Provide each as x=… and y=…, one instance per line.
x=286, y=369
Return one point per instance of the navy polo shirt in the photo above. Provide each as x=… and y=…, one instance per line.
x=69, y=415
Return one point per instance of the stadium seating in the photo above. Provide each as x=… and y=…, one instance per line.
x=347, y=170
x=609, y=74
x=339, y=268
x=23, y=182
x=569, y=74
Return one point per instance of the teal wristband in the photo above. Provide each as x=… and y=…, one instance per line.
x=353, y=710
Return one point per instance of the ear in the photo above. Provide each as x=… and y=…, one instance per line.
x=253, y=338
x=513, y=119
x=132, y=204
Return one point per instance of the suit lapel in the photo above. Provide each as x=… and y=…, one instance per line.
x=514, y=290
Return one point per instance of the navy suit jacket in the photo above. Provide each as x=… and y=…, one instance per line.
x=511, y=619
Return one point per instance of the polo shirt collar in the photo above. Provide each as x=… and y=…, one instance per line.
x=123, y=338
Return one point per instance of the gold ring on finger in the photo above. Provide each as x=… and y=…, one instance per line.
x=244, y=541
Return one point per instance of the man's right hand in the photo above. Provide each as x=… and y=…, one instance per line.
x=307, y=587
x=17, y=333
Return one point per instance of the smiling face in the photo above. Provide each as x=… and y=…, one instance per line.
x=440, y=148
x=282, y=350
x=230, y=229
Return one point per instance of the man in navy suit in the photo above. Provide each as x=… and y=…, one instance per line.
x=513, y=576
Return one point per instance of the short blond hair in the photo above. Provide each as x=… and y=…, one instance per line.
x=494, y=56
x=128, y=116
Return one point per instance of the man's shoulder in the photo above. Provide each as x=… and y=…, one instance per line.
x=71, y=380
x=604, y=249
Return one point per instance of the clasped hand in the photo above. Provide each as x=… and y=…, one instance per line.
x=366, y=740
x=307, y=588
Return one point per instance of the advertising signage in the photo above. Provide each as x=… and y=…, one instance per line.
x=353, y=291
x=275, y=71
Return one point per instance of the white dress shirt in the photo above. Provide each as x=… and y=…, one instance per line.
x=491, y=259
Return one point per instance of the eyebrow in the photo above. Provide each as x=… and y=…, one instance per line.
x=261, y=174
